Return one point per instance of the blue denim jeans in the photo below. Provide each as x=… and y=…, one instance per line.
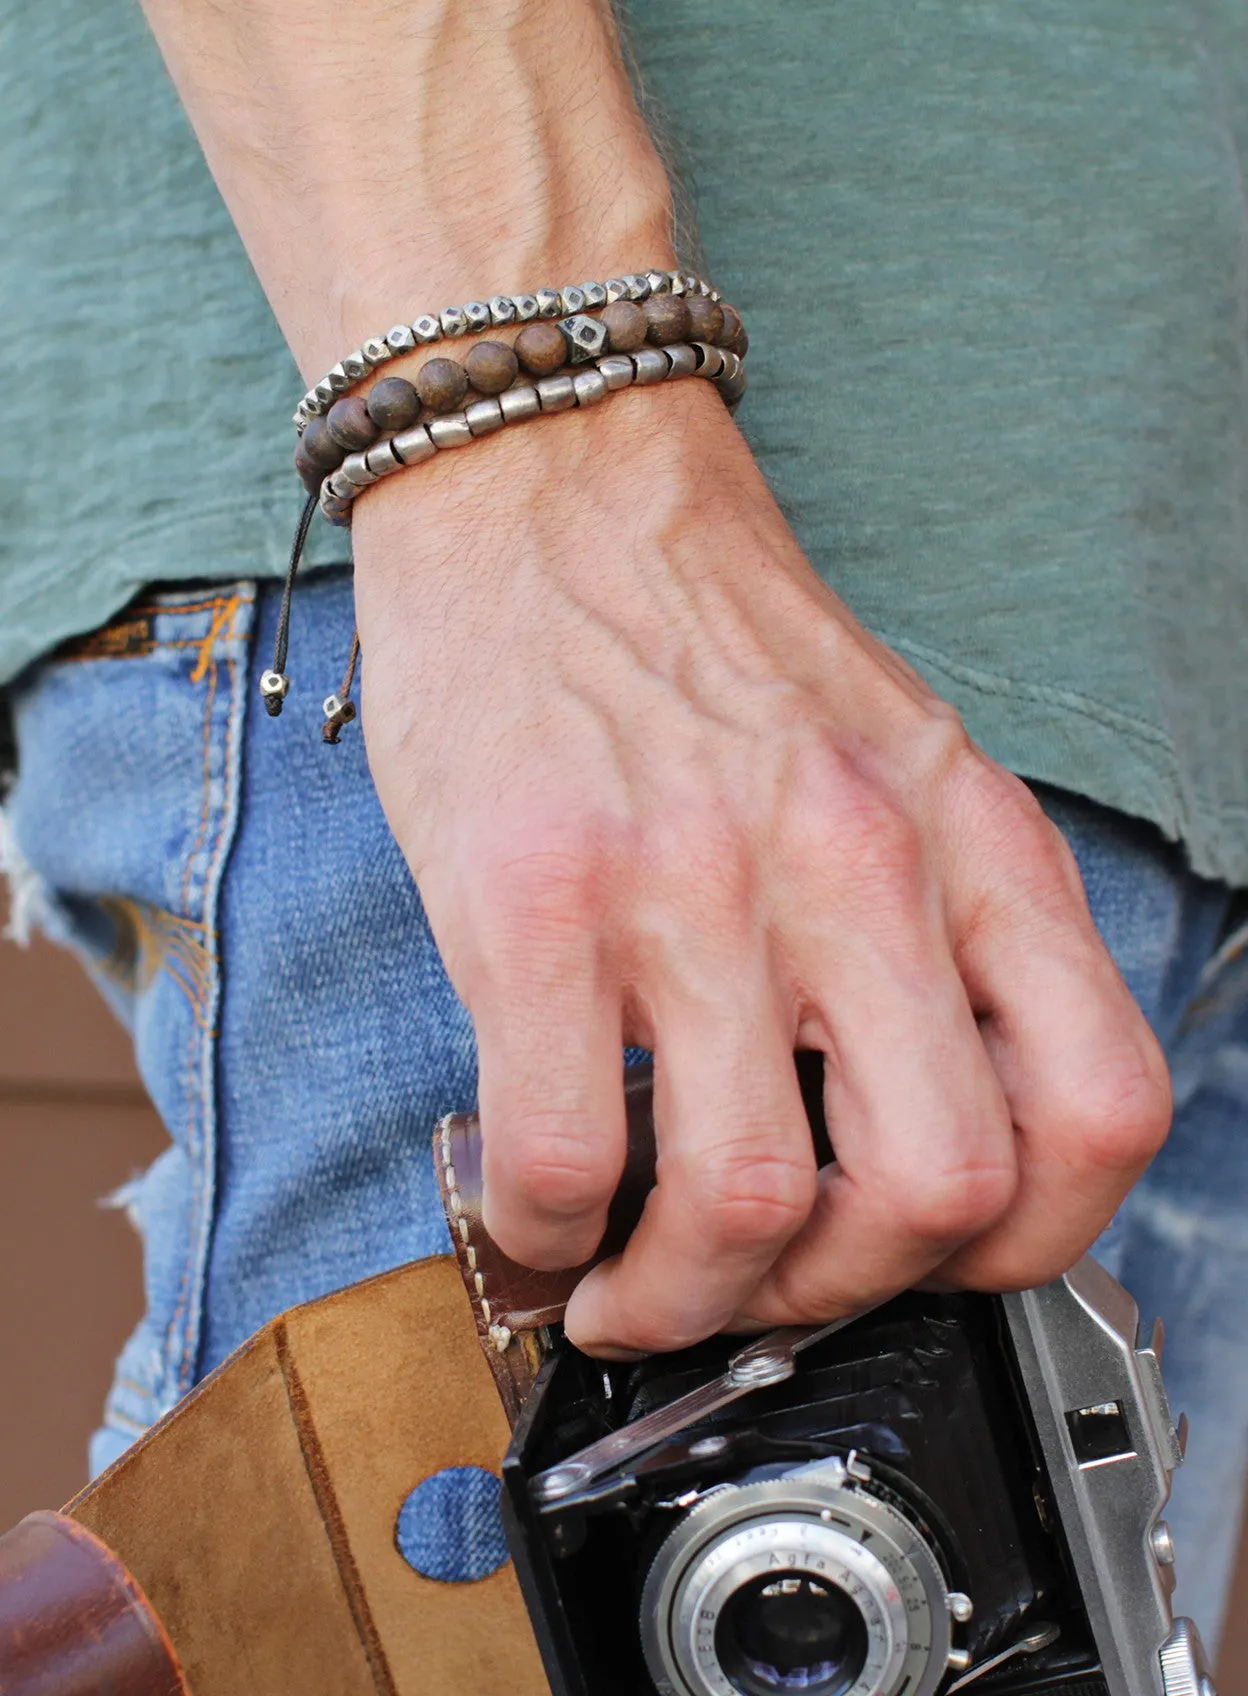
x=232, y=886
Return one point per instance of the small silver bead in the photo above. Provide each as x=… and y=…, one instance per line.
x=693, y=286
x=591, y=387
x=340, y=486
x=382, y=459
x=711, y=358
x=275, y=684
x=484, y=417
x=526, y=307
x=572, y=299
x=376, y=350
x=704, y=288
x=450, y=432
x=337, y=379
x=454, y=321
x=519, y=403
x=595, y=295
x=299, y=417
x=660, y=282
x=330, y=705
x=557, y=394
x=400, y=339
x=326, y=394
x=617, y=289
x=586, y=337
x=651, y=365
x=617, y=370
x=477, y=314
x=683, y=360
x=356, y=366
x=730, y=390
x=715, y=295
x=675, y=282
x=309, y=405
x=732, y=365
x=638, y=286
x=414, y=445
x=355, y=470
x=427, y=328
x=502, y=309
x=549, y=303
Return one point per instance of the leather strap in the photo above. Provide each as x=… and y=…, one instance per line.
x=512, y=1303
x=72, y=1619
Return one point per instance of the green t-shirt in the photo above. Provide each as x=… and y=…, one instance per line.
x=994, y=262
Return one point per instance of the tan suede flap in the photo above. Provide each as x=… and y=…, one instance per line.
x=260, y=1516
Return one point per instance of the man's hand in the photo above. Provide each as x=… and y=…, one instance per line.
x=658, y=787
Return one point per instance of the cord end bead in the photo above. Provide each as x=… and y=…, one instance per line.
x=274, y=688
x=338, y=714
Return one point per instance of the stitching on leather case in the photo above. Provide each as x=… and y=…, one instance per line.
x=499, y=1335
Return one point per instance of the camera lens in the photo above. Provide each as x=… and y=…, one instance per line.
x=791, y=1634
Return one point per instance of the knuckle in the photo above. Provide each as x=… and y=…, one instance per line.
x=752, y=1198
x=954, y=1203
x=555, y=1169
x=1119, y=1115
x=835, y=809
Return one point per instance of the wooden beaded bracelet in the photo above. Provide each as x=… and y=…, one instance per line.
x=558, y=392
x=355, y=422
x=476, y=316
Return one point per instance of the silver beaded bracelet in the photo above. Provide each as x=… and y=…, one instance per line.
x=475, y=316
x=359, y=471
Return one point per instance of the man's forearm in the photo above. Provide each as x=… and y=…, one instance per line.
x=397, y=155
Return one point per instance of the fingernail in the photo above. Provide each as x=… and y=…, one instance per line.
x=612, y=1351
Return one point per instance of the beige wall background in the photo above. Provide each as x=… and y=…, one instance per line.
x=74, y=1125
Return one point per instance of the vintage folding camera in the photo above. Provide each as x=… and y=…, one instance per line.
x=952, y=1493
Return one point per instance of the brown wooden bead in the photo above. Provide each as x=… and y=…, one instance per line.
x=492, y=367
x=667, y=319
x=350, y=425
x=541, y=349
x=625, y=324
x=733, y=335
x=706, y=318
x=320, y=447
x=393, y=403
x=442, y=384
x=311, y=475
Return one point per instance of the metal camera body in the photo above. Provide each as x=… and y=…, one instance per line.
x=952, y=1493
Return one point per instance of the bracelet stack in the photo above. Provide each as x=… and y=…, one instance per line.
x=577, y=347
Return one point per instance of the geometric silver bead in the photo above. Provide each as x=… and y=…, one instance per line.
x=617, y=369
x=572, y=299
x=676, y=283
x=526, y=307
x=478, y=315
x=356, y=366
x=638, y=286
x=732, y=366
x=377, y=351
x=310, y=404
x=616, y=289
x=414, y=446
x=711, y=360
x=660, y=282
x=591, y=387
x=400, y=339
x=557, y=394
x=549, y=303
x=340, y=486
x=382, y=459
x=450, y=432
x=326, y=394
x=519, y=403
x=651, y=366
x=502, y=309
x=714, y=294
x=586, y=337
x=454, y=321
x=483, y=417
x=427, y=328
x=595, y=295
x=683, y=360
x=355, y=470
x=692, y=285
x=337, y=379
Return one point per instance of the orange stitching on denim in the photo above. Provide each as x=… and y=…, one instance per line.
x=223, y=616
x=155, y=610
x=205, y=803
